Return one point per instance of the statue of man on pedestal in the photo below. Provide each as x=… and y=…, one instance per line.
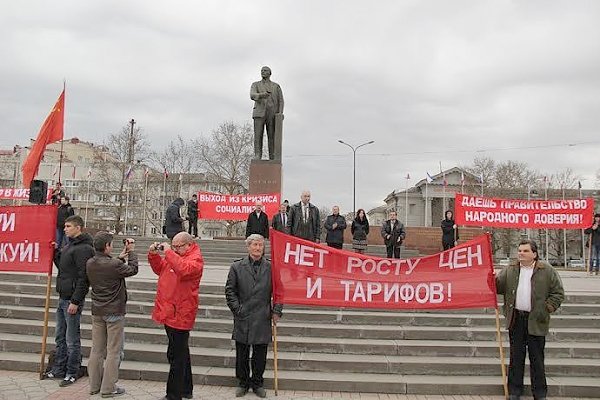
x=267, y=113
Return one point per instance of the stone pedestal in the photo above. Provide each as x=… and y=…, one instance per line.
x=265, y=176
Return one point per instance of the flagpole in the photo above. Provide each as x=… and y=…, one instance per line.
x=547, y=232
x=406, y=202
x=426, y=199
x=87, y=200
x=144, y=203
x=564, y=236
x=126, y=206
x=582, y=230
x=164, y=193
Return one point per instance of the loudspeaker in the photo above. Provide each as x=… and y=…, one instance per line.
x=38, y=192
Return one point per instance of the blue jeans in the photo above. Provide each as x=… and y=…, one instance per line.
x=68, y=340
x=60, y=237
x=595, y=261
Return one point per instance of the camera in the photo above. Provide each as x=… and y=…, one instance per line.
x=159, y=246
x=128, y=241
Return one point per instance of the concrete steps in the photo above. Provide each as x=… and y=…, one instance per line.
x=412, y=352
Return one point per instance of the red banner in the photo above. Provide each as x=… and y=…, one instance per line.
x=219, y=206
x=17, y=194
x=516, y=213
x=308, y=273
x=25, y=236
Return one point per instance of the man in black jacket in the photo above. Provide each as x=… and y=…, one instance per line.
x=64, y=211
x=279, y=220
x=258, y=222
x=106, y=276
x=72, y=286
x=304, y=221
x=335, y=225
x=393, y=234
x=192, y=212
x=594, y=231
x=249, y=293
x=173, y=220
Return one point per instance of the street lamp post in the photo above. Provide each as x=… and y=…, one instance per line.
x=354, y=170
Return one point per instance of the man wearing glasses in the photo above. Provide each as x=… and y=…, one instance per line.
x=179, y=270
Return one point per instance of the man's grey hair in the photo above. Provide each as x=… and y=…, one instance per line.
x=253, y=238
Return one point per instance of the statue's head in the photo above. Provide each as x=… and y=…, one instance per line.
x=265, y=72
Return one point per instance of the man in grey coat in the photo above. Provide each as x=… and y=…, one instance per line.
x=249, y=292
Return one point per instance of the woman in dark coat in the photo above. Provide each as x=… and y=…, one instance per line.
x=360, y=230
x=449, y=231
x=173, y=219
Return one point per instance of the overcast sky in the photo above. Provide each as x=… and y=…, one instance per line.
x=428, y=81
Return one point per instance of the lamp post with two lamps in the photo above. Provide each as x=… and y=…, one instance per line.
x=354, y=148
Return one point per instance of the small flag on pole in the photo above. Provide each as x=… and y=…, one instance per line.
x=146, y=172
x=429, y=178
x=445, y=181
x=89, y=173
x=128, y=172
x=180, y=177
x=407, y=176
x=579, y=184
x=166, y=173
x=55, y=171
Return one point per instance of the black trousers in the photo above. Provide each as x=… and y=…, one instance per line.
x=193, y=226
x=242, y=364
x=336, y=245
x=520, y=342
x=393, y=252
x=179, y=382
x=447, y=245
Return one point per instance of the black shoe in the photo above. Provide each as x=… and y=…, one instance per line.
x=69, y=380
x=241, y=391
x=52, y=375
x=187, y=396
x=117, y=392
x=260, y=392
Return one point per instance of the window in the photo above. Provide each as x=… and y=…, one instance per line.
x=153, y=230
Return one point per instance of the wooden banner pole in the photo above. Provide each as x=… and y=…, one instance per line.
x=502, y=361
x=45, y=330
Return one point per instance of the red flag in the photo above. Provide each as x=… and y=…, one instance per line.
x=52, y=131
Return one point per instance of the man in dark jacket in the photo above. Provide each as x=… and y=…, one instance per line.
x=335, y=225
x=106, y=276
x=304, y=221
x=532, y=291
x=173, y=220
x=72, y=286
x=57, y=193
x=258, y=222
x=64, y=211
x=393, y=234
x=192, y=212
x=279, y=220
x=176, y=305
x=248, y=292
x=595, y=243
x=449, y=231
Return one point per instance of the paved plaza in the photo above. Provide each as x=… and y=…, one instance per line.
x=26, y=386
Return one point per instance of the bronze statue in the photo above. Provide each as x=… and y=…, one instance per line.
x=267, y=113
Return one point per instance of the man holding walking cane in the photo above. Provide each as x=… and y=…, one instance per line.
x=249, y=293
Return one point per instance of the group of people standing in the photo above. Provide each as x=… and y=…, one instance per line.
x=302, y=220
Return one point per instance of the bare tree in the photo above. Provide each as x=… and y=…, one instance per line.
x=225, y=157
x=122, y=150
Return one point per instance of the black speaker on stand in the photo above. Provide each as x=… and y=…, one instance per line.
x=38, y=192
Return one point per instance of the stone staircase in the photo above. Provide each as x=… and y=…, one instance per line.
x=453, y=352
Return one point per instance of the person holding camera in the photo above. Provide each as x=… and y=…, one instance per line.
x=106, y=276
x=179, y=271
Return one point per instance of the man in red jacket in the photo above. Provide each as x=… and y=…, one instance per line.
x=179, y=272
